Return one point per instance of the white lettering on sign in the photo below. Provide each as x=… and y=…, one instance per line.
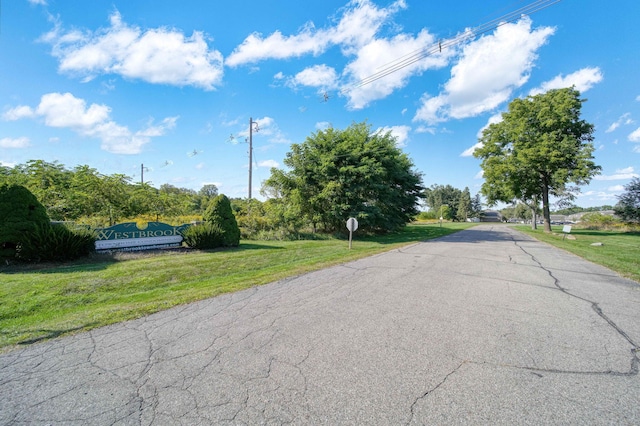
x=137, y=242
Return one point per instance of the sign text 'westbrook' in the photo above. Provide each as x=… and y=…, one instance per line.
x=131, y=236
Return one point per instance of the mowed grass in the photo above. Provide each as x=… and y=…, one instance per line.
x=620, y=251
x=42, y=302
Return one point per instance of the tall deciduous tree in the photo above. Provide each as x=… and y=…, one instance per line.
x=628, y=207
x=438, y=196
x=539, y=147
x=209, y=190
x=337, y=174
x=464, y=205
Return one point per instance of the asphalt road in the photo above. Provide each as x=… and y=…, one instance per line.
x=486, y=326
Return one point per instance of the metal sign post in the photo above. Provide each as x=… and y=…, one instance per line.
x=352, y=225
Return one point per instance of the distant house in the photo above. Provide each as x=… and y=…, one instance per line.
x=558, y=218
x=490, y=216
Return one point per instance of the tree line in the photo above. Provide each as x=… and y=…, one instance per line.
x=83, y=193
x=333, y=175
x=449, y=203
x=539, y=149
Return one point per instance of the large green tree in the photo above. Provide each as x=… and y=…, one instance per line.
x=464, y=205
x=336, y=174
x=443, y=200
x=628, y=207
x=540, y=146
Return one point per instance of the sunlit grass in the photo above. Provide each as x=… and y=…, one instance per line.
x=620, y=251
x=42, y=302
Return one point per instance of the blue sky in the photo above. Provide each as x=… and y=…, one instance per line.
x=172, y=85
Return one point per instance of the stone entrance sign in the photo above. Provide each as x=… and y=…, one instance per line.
x=131, y=237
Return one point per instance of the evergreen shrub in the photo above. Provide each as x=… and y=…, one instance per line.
x=205, y=236
x=20, y=213
x=56, y=243
x=219, y=212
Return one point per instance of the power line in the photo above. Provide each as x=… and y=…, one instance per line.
x=419, y=54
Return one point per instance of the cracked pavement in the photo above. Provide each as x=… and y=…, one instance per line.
x=485, y=326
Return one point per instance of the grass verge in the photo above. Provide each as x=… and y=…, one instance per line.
x=620, y=251
x=42, y=302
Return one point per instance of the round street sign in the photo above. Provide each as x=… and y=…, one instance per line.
x=352, y=224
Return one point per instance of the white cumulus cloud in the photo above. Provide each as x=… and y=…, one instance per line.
x=620, y=174
x=582, y=80
x=496, y=118
x=359, y=23
x=159, y=55
x=356, y=33
x=372, y=76
x=18, y=113
x=265, y=126
x=401, y=133
x=269, y=164
x=469, y=151
x=488, y=72
x=320, y=76
x=624, y=119
x=22, y=142
x=63, y=110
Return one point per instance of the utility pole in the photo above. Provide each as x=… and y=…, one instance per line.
x=141, y=173
x=251, y=123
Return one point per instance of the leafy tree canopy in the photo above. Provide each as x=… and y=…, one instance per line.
x=628, y=207
x=336, y=174
x=208, y=190
x=84, y=192
x=540, y=146
x=451, y=203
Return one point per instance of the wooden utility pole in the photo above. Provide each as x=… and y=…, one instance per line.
x=251, y=123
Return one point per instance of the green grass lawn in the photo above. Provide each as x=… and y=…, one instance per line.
x=620, y=251
x=41, y=302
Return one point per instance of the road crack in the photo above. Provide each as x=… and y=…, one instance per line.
x=435, y=388
x=635, y=348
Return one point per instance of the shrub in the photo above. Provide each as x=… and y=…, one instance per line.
x=426, y=216
x=596, y=220
x=204, y=237
x=56, y=243
x=219, y=212
x=20, y=213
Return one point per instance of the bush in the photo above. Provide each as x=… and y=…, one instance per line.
x=204, y=237
x=20, y=213
x=219, y=212
x=426, y=216
x=55, y=243
x=598, y=221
